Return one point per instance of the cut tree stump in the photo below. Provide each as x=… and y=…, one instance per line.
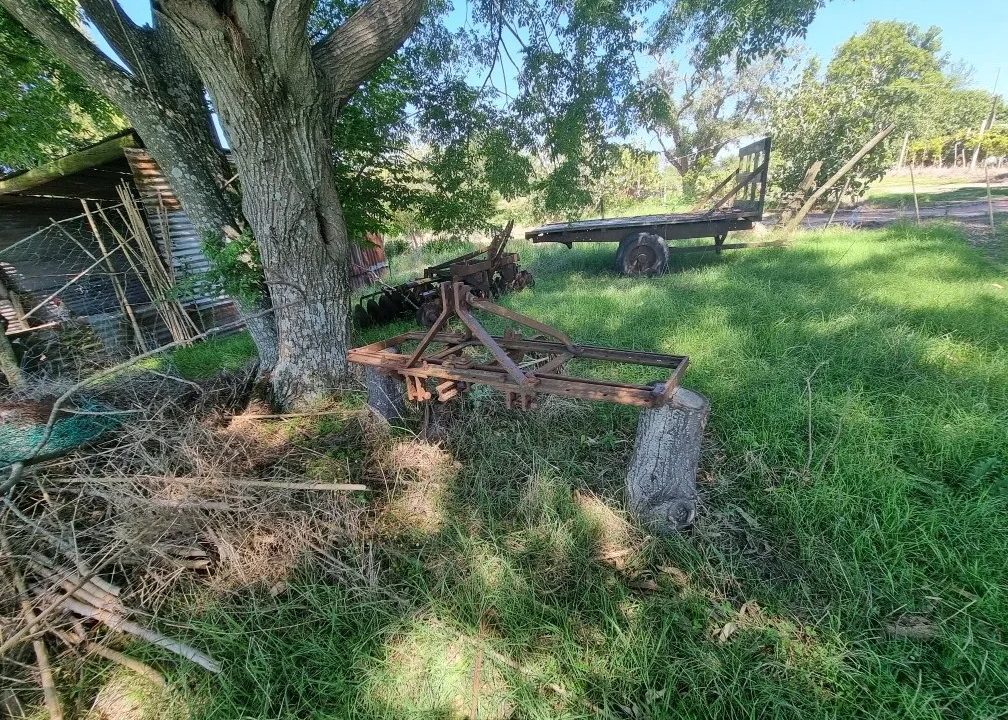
x=385, y=394
x=661, y=481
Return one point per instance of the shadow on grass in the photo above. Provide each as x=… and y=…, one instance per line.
x=853, y=486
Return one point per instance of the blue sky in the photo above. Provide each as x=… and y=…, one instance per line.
x=972, y=30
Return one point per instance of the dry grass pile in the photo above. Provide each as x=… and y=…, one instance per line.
x=184, y=494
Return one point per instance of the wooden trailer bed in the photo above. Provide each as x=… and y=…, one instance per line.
x=644, y=239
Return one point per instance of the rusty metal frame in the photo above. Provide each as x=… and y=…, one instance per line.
x=453, y=370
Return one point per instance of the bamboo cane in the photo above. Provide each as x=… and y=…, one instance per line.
x=120, y=291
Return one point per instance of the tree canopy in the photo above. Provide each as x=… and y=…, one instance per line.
x=893, y=72
x=697, y=110
x=46, y=109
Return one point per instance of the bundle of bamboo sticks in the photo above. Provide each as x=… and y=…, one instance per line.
x=147, y=263
x=70, y=595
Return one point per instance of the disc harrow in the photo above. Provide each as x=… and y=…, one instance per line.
x=488, y=273
x=442, y=362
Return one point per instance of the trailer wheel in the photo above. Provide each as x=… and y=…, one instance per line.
x=719, y=241
x=642, y=254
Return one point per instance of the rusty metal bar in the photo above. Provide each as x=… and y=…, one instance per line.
x=503, y=312
x=442, y=319
x=490, y=343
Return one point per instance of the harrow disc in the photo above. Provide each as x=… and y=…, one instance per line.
x=389, y=305
x=360, y=316
x=372, y=310
x=428, y=313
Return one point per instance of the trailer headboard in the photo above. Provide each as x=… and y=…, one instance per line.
x=751, y=178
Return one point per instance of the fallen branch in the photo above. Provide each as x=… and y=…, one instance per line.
x=137, y=666
x=118, y=623
x=847, y=167
x=26, y=630
x=38, y=645
x=241, y=482
x=285, y=416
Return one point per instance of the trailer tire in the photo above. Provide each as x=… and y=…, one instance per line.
x=642, y=254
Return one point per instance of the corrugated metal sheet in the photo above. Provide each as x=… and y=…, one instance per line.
x=367, y=261
x=181, y=245
x=57, y=254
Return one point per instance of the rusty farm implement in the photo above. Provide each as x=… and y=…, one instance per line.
x=531, y=359
x=441, y=362
x=490, y=273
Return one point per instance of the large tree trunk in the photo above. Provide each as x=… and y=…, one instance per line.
x=279, y=121
x=291, y=203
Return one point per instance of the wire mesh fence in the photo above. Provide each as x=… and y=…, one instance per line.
x=85, y=291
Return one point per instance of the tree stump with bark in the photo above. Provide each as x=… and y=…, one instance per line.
x=661, y=481
x=385, y=394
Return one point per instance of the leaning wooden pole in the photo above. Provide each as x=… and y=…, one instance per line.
x=913, y=189
x=990, y=202
x=847, y=167
x=9, y=366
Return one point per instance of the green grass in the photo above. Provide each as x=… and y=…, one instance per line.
x=206, y=359
x=855, y=480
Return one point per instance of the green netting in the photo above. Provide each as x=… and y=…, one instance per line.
x=19, y=442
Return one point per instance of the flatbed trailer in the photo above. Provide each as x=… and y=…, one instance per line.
x=644, y=239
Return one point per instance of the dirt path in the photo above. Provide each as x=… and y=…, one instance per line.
x=868, y=216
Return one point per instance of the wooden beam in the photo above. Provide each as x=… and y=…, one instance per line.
x=99, y=154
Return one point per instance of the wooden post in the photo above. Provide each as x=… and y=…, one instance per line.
x=9, y=366
x=913, y=187
x=990, y=203
x=661, y=480
x=902, y=155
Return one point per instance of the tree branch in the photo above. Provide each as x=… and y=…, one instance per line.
x=288, y=37
x=44, y=22
x=354, y=50
x=117, y=27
